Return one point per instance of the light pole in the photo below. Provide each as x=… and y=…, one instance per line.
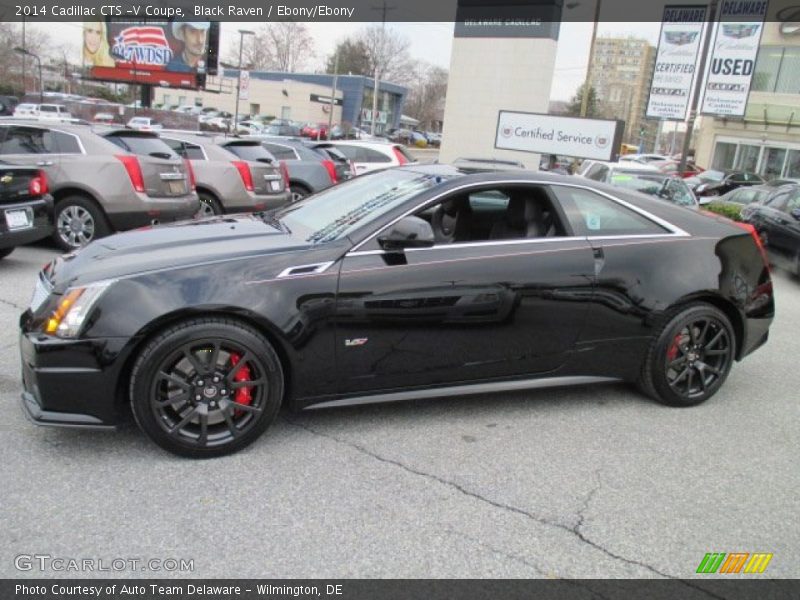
x=587, y=80
x=24, y=52
x=242, y=33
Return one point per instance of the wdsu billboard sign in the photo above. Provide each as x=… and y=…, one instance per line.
x=681, y=33
x=736, y=41
x=549, y=134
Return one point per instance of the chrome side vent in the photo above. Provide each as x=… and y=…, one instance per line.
x=305, y=270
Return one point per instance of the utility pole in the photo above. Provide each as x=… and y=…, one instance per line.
x=701, y=82
x=587, y=82
x=333, y=93
x=24, y=47
x=242, y=33
x=379, y=56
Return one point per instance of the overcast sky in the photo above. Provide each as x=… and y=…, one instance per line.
x=431, y=42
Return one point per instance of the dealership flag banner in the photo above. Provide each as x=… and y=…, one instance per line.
x=681, y=33
x=730, y=71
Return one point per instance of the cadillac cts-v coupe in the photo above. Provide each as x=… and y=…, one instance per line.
x=412, y=282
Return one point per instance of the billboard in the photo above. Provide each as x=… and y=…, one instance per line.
x=165, y=53
x=733, y=57
x=673, y=75
x=549, y=134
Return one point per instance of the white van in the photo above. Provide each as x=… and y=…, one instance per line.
x=53, y=112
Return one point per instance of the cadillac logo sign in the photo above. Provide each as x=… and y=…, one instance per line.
x=790, y=20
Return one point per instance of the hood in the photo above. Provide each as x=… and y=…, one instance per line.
x=172, y=246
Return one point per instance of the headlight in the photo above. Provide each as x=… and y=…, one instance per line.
x=68, y=318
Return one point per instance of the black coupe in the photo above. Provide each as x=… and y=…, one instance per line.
x=407, y=283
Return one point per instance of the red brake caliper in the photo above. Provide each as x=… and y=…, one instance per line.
x=672, y=353
x=243, y=395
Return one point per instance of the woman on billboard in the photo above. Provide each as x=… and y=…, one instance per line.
x=95, y=45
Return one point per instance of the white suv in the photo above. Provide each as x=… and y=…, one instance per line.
x=53, y=112
x=373, y=156
x=26, y=110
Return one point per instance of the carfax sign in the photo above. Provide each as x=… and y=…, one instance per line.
x=736, y=41
x=681, y=33
x=568, y=136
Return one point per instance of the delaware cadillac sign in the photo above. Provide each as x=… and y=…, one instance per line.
x=674, y=72
x=568, y=136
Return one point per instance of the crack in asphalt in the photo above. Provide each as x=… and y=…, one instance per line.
x=574, y=530
x=11, y=304
x=497, y=551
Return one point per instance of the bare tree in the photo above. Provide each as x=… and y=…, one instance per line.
x=426, y=93
x=386, y=52
x=36, y=41
x=281, y=46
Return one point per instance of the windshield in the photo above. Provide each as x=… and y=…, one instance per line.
x=667, y=188
x=711, y=176
x=336, y=212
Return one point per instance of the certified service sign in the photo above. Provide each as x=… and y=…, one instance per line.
x=567, y=136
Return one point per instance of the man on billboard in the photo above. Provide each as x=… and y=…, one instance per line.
x=193, y=36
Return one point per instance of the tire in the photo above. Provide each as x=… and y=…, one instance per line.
x=209, y=206
x=78, y=221
x=691, y=356
x=205, y=410
x=5, y=252
x=298, y=192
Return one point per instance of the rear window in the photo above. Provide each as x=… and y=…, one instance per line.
x=281, y=152
x=254, y=152
x=332, y=153
x=142, y=145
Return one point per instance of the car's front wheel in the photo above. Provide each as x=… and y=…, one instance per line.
x=691, y=358
x=206, y=387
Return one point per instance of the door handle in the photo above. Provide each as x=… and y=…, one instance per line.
x=599, y=261
x=44, y=163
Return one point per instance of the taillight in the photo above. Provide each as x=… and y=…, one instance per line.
x=134, y=169
x=401, y=159
x=757, y=239
x=285, y=173
x=331, y=169
x=38, y=185
x=244, y=173
x=190, y=173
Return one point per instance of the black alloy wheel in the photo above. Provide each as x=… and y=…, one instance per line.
x=691, y=358
x=206, y=388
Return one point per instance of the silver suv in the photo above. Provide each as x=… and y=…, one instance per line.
x=233, y=175
x=102, y=180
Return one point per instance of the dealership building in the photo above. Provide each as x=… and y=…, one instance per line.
x=297, y=96
x=767, y=139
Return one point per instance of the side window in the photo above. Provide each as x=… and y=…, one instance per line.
x=193, y=152
x=351, y=152
x=679, y=193
x=177, y=146
x=63, y=143
x=793, y=202
x=738, y=178
x=591, y=214
x=597, y=172
x=373, y=156
x=778, y=201
x=281, y=152
x=27, y=140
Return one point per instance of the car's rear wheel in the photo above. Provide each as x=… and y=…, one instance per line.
x=78, y=222
x=206, y=387
x=299, y=192
x=209, y=206
x=5, y=252
x=691, y=357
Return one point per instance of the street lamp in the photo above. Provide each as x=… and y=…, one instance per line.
x=25, y=52
x=586, y=82
x=242, y=33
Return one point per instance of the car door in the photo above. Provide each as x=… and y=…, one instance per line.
x=783, y=229
x=463, y=311
x=766, y=219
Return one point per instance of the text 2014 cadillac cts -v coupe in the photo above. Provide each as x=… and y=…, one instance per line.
x=407, y=283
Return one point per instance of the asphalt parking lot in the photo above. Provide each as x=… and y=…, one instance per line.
x=579, y=482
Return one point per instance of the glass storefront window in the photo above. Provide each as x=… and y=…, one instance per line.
x=724, y=153
x=748, y=158
x=793, y=165
x=768, y=64
x=789, y=76
x=772, y=162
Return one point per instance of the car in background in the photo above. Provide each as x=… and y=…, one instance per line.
x=777, y=222
x=53, y=112
x=600, y=170
x=351, y=133
x=209, y=329
x=434, y=139
x=659, y=185
x=26, y=207
x=746, y=196
x=249, y=127
x=314, y=131
x=144, y=124
x=281, y=130
x=312, y=167
x=104, y=117
x=408, y=138
x=102, y=179
x=716, y=183
x=643, y=158
x=26, y=109
x=8, y=105
x=673, y=166
x=486, y=165
x=373, y=156
x=232, y=175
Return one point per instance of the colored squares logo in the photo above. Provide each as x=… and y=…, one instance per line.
x=734, y=562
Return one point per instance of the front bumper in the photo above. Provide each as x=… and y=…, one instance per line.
x=72, y=383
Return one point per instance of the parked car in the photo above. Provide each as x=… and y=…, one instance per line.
x=351, y=133
x=642, y=178
x=486, y=165
x=315, y=131
x=8, y=105
x=408, y=138
x=53, y=112
x=673, y=166
x=643, y=158
x=26, y=206
x=717, y=183
x=207, y=328
x=231, y=175
x=600, y=170
x=102, y=180
x=373, y=156
x=310, y=169
x=104, y=117
x=282, y=130
x=26, y=109
x=745, y=196
x=144, y=124
x=778, y=224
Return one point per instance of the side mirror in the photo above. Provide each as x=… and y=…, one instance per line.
x=796, y=213
x=408, y=232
